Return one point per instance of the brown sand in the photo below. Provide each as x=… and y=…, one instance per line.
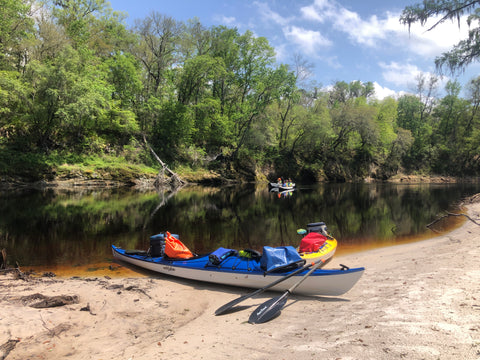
x=415, y=301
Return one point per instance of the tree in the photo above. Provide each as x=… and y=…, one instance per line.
x=14, y=99
x=159, y=36
x=50, y=38
x=400, y=147
x=124, y=73
x=76, y=17
x=342, y=91
x=386, y=125
x=71, y=102
x=16, y=25
x=467, y=50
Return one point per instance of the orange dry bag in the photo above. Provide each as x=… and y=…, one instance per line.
x=174, y=248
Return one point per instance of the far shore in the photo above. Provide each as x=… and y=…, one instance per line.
x=415, y=301
x=209, y=179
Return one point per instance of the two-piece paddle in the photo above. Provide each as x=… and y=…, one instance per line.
x=269, y=309
x=231, y=304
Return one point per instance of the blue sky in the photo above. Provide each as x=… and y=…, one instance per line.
x=344, y=40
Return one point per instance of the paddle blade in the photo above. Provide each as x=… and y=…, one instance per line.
x=228, y=306
x=268, y=310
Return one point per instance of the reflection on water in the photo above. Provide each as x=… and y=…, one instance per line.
x=76, y=228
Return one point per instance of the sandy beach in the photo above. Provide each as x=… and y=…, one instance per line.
x=415, y=301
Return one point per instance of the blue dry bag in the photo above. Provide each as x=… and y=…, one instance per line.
x=216, y=257
x=282, y=257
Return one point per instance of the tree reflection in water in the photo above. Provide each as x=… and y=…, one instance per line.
x=59, y=227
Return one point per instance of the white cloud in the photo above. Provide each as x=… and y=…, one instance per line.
x=349, y=22
x=268, y=14
x=399, y=74
x=406, y=75
x=436, y=41
x=375, y=29
x=360, y=31
x=383, y=92
x=332, y=61
x=320, y=11
x=227, y=20
x=308, y=40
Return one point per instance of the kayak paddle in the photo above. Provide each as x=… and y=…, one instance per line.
x=231, y=304
x=269, y=309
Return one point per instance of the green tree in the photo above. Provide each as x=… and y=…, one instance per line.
x=157, y=50
x=71, y=102
x=76, y=17
x=15, y=95
x=16, y=26
x=400, y=147
x=456, y=139
x=125, y=74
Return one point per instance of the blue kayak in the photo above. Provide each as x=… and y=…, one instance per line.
x=237, y=270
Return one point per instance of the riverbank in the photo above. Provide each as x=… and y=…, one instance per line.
x=415, y=301
x=117, y=174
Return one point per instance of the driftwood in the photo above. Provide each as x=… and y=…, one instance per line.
x=451, y=214
x=176, y=181
x=87, y=308
x=57, y=330
x=49, y=301
x=18, y=274
x=6, y=348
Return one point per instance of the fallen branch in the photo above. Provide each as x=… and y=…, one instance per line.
x=452, y=214
x=57, y=330
x=175, y=177
x=49, y=301
x=6, y=348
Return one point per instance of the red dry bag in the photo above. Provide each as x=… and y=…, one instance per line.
x=312, y=242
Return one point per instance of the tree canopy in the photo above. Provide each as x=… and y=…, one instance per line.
x=76, y=83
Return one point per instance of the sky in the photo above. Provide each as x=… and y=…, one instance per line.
x=344, y=40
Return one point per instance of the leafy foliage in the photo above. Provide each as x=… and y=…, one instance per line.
x=75, y=81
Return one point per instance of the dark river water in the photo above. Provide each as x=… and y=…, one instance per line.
x=74, y=229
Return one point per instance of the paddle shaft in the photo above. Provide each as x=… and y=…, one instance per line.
x=236, y=301
x=269, y=309
x=315, y=266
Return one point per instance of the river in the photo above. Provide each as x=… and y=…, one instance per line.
x=71, y=231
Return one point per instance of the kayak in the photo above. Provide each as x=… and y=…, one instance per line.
x=325, y=252
x=241, y=271
x=284, y=186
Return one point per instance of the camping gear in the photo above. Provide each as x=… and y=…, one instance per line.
x=312, y=242
x=175, y=249
x=317, y=242
x=325, y=252
x=275, y=259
